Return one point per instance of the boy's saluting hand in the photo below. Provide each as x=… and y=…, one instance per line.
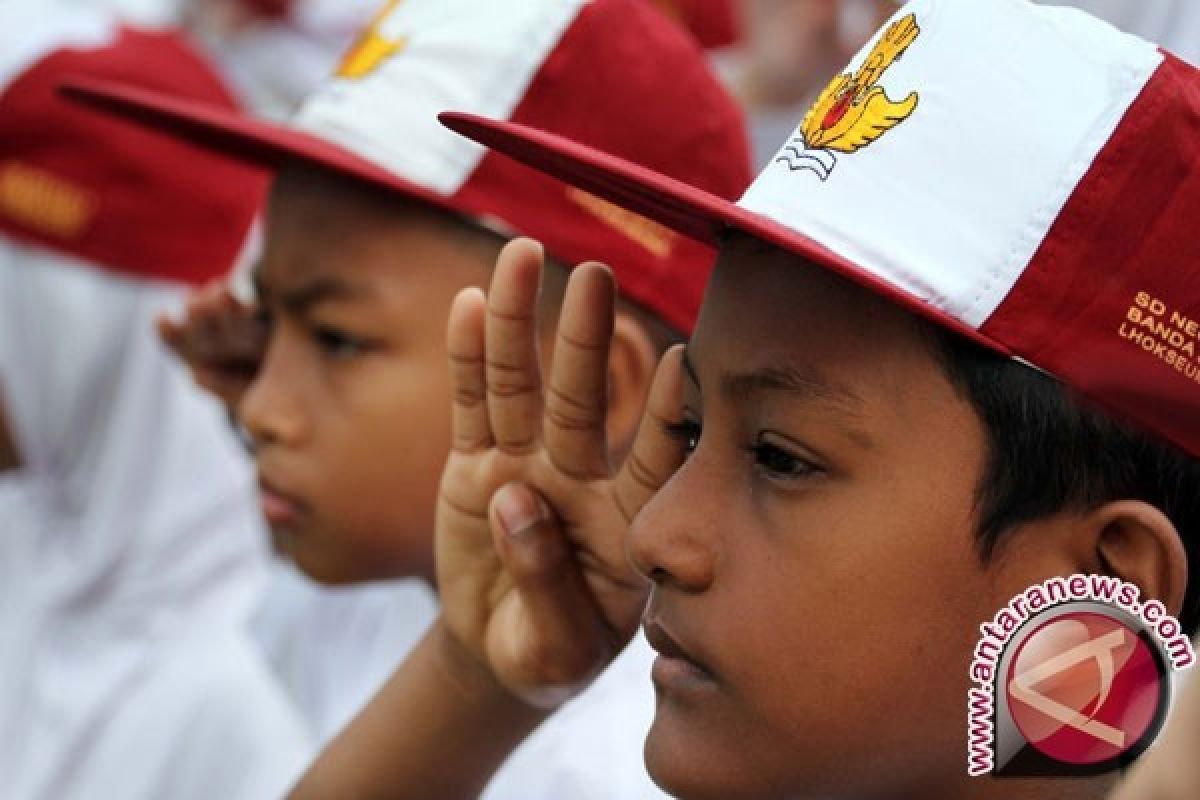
x=531, y=520
x=220, y=338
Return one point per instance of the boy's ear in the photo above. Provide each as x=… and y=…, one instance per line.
x=1136, y=542
x=631, y=362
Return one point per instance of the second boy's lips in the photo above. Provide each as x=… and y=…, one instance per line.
x=676, y=666
x=278, y=506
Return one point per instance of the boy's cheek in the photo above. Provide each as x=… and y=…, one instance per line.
x=345, y=552
x=850, y=677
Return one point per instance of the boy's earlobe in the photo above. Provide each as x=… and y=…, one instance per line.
x=1138, y=543
x=631, y=363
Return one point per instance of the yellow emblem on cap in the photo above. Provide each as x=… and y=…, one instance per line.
x=372, y=48
x=44, y=202
x=853, y=110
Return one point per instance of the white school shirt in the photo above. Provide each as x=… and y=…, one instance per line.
x=335, y=647
x=131, y=553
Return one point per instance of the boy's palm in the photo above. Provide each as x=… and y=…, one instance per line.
x=547, y=605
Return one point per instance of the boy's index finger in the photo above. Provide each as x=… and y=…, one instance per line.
x=577, y=397
x=169, y=330
x=513, y=375
x=656, y=455
x=471, y=431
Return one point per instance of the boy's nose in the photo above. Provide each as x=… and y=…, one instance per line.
x=671, y=540
x=268, y=410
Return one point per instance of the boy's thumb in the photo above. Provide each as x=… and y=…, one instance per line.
x=547, y=576
x=531, y=543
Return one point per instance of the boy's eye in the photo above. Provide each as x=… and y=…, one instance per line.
x=686, y=432
x=337, y=344
x=779, y=462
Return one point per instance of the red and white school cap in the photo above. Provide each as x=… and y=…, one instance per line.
x=615, y=74
x=129, y=200
x=1026, y=176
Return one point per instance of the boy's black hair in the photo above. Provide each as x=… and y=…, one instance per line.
x=1048, y=452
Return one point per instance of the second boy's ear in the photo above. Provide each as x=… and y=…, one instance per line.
x=631, y=363
x=1136, y=542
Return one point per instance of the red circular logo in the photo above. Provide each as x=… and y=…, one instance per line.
x=1084, y=688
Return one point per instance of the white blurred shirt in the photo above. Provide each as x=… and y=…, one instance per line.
x=335, y=647
x=131, y=553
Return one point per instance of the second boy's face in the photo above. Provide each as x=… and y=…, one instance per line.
x=814, y=556
x=349, y=411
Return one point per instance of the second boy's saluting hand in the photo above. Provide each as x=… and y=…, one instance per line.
x=220, y=338
x=531, y=519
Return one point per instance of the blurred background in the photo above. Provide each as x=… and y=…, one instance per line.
x=775, y=55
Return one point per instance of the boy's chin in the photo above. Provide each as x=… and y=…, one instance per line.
x=688, y=764
x=325, y=571
x=336, y=566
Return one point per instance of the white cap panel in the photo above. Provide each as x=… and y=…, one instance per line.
x=422, y=57
x=932, y=181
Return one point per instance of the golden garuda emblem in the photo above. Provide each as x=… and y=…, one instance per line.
x=372, y=47
x=853, y=110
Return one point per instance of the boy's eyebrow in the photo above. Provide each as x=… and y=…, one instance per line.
x=302, y=297
x=806, y=383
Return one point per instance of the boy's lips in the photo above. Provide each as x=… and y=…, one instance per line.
x=279, y=508
x=675, y=668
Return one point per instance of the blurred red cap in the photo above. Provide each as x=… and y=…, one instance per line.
x=612, y=73
x=127, y=199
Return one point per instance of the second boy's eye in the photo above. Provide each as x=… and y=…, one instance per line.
x=338, y=344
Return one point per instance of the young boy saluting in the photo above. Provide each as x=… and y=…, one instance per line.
x=379, y=217
x=909, y=397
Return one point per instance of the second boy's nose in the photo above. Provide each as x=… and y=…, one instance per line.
x=269, y=410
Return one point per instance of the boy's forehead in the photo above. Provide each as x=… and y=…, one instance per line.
x=299, y=188
x=331, y=241
x=768, y=309
x=751, y=272
x=326, y=257
x=779, y=333
x=319, y=209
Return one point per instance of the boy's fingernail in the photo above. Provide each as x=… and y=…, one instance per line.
x=518, y=509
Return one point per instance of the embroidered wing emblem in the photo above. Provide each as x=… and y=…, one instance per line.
x=853, y=111
x=372, y=48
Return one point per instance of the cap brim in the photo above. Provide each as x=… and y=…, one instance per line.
x=232, y=133
x=683, y=208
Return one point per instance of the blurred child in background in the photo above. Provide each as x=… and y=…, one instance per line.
x=131, y=553
x=785, y=51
